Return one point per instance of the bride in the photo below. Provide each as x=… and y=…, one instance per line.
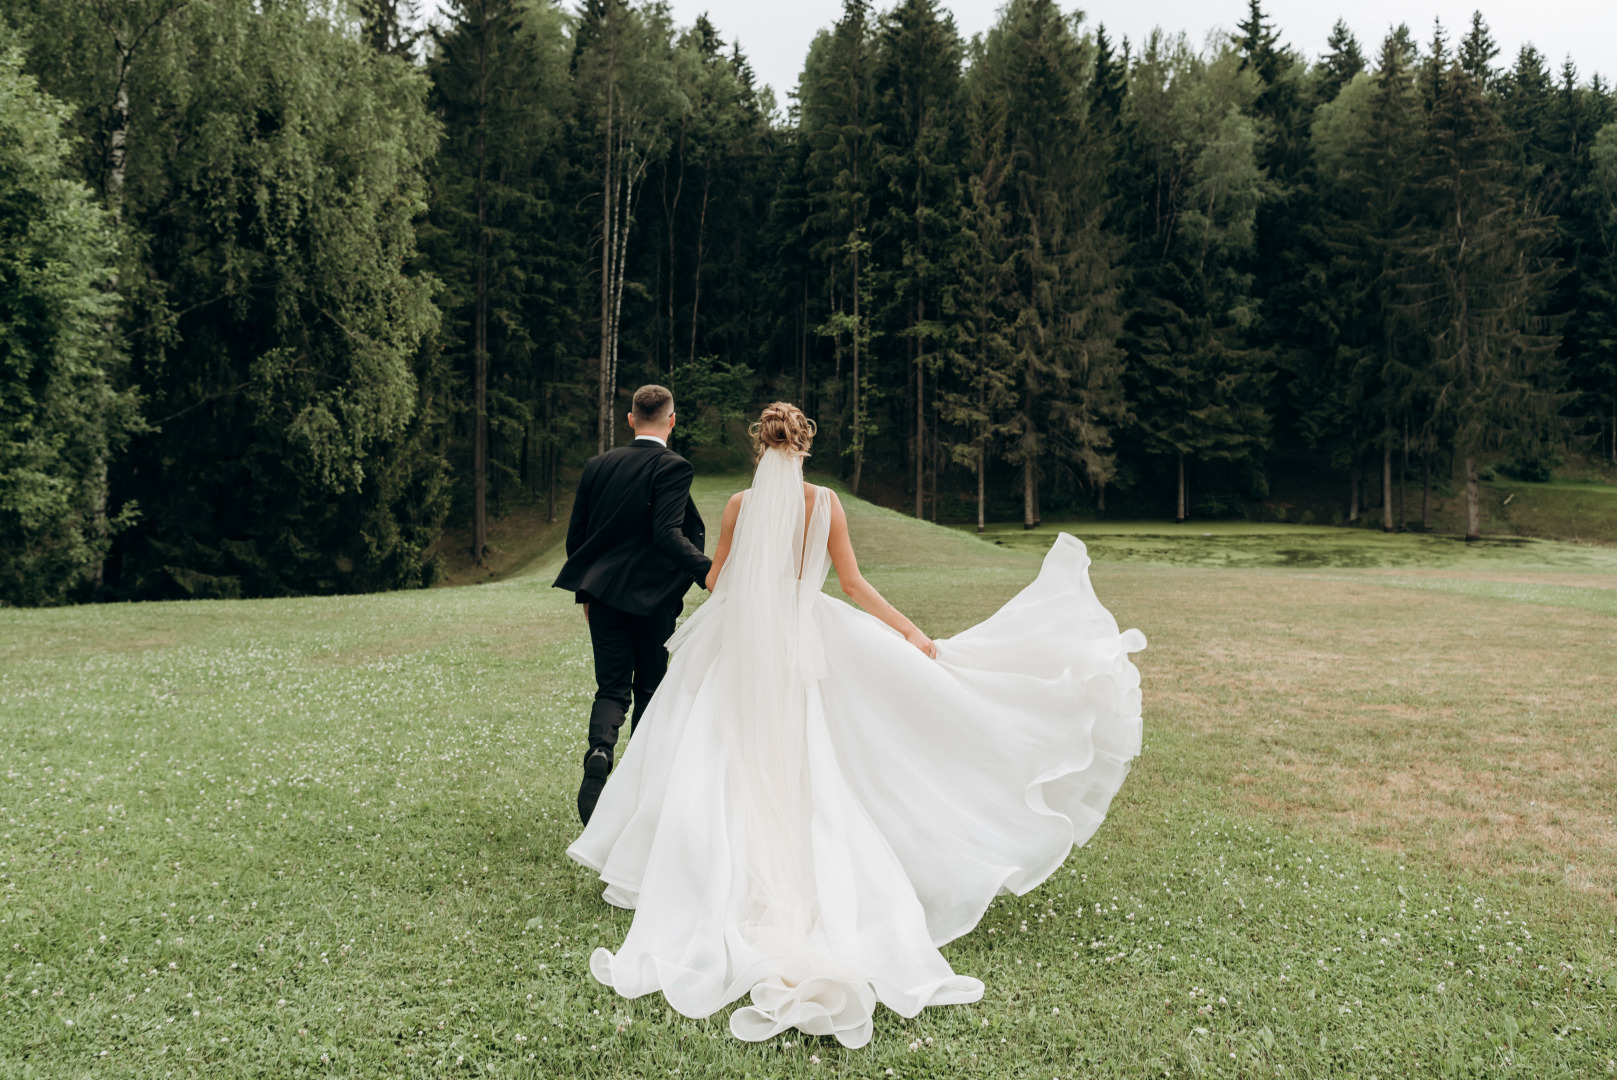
x=819, y=797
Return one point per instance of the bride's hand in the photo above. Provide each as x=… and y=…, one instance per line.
x=922, y=642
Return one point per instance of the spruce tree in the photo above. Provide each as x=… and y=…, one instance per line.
x=1370, y=383
x=1342, y=62
x=917, y=157
x=839, y=124
x=1593, y=330
x=1198, y=388
x=1481, y=281
x=979, y=401
x=1064, y=310
x=499, y=88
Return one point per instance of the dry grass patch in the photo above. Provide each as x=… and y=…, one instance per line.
x=1565, y=579
x=1481, y=731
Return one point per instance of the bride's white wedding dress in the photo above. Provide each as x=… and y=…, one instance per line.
x=811, y=806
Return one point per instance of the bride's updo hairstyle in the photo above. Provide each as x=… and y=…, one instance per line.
x=783, y=427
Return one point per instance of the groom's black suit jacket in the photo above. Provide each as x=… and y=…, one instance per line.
x=634, y=542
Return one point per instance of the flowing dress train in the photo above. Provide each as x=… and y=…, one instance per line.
x=811, y=807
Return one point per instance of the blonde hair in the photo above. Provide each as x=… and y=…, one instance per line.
x=783, y=426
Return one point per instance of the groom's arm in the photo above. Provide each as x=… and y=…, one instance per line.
x=668, y=515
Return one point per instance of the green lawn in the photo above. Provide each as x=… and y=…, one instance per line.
x=1371, y=833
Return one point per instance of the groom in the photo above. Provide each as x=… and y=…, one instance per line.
x=634, y=545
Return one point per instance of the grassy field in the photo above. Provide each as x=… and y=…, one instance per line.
x=1371, y=834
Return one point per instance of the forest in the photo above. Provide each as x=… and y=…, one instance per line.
x=288, y=288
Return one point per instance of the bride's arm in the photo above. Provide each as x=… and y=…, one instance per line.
x=860, y=591
x=732, y=510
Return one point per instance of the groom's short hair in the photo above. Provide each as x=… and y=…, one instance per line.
x=653, y=403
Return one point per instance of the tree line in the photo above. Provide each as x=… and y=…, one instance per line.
x=287, y=286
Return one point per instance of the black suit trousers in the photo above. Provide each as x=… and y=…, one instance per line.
x=630, y=658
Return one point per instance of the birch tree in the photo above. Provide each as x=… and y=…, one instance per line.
x=623, y=74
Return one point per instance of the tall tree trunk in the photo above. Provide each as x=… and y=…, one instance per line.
x=932, y=477
x=1030, y=490
x=669, y=210
x=550, y=452
x=1180, y=510
x=1100, y=497
x=603, y=399
x=525, y=482
x=982, y=469
x=624, y=214
x=696, y=280
x=1403, y=477
x=480, y=368
x=858, y=431
x=1426, y=491
x=1386, y=486
x=1353, y=493
x=920, y=415
x=1473, y=515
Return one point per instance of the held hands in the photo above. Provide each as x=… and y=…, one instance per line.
x=922, y=642
x=712, y=578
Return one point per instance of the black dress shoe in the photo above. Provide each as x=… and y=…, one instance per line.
x=597, y=765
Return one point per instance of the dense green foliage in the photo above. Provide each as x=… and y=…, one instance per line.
x=369, y=280
x=60, y=418
x=266, y=170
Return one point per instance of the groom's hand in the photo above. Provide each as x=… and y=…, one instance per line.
x=586, y=613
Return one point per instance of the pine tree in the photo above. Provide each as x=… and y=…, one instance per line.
x=499, y=88
x=1593, y=330
x=917, y=155
x=1482, y=280
x=1478, y=50
x=839, y=129
x=1371, y=383
x=1342, y=62
x=1197, y=387
x=980, y=400
x=1282, y=328
x=1064, y=311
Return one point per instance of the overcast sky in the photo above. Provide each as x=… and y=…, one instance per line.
x=775, y=34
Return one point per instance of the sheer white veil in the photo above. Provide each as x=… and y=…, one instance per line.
x=763, y=642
